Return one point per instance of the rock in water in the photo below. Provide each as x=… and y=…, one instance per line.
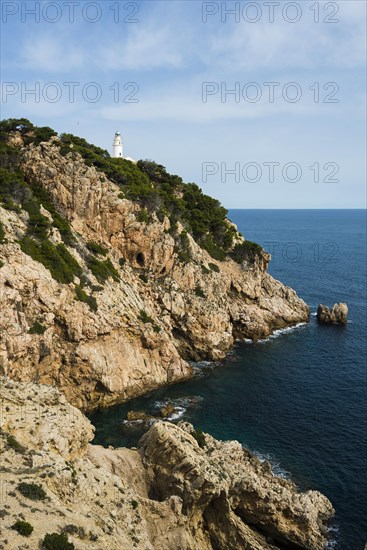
x=338, y=315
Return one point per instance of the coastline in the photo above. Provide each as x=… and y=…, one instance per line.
x=178, y=481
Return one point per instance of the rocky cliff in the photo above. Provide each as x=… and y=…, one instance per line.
x=177, y=491
x=126, y=318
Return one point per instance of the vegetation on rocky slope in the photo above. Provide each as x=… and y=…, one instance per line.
x=146, y=183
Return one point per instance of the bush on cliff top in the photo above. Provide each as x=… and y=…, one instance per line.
x=56, y=541
x=247, y=250
x=23, y=528
x=32, y=491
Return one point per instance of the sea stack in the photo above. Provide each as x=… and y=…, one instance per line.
x=337, y=316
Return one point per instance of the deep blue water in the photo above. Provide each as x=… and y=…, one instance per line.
x=298, y=399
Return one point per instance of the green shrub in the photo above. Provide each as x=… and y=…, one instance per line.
x=43, y=197
x=61, y=264
x=43, y=133
x=143, y=277
x=199, y=291
x=14, y=444
x=247, y=250
x=122, y=262
x=199, y=437
x=22, y=125
x=97, y=288
x=134, y=504
x=32, y=491
x=214, y=267
x=8, y=204
x=2, y=233
x=37, y=328
x=69, y=260
x=82, y=296
x=143, y=316
x=23, y=528
x=143, y=216
x=38, y=224
x=182, y=248
x=212, y=247
x=96, y=248
x=56, y=541
x=102, y=270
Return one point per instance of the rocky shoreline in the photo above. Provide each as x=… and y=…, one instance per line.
x=100, y=304
x=179, y=490
x=110, y=341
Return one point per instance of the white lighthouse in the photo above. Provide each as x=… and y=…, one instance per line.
x=117, y=146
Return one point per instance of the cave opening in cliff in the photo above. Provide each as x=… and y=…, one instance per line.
x=140, y=259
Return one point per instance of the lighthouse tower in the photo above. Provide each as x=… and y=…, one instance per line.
x=117, y=146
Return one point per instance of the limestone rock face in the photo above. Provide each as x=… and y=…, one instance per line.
x=338, y=315
x=45, y=441
x=161, y=313
x=232, y=490
x=169, y=494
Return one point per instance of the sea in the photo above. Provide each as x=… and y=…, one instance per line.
x=297, y=399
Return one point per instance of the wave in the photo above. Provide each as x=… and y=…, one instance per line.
x=177, y=414
x=276, y=468
x=333, y=536
x=178, y=409
x=281, y=331
x=181, y=405
x=202, y=368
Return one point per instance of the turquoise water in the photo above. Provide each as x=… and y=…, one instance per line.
x=299, y=398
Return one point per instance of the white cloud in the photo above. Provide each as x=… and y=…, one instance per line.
x=304, y=44
x=51, y=54
x=146, y=47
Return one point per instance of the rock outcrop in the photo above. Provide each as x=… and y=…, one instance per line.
x=146, y=322
x=337, y=316
x=169, y=494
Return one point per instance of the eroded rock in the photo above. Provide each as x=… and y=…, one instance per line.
x=338, y=314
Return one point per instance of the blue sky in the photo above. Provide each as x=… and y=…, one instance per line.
x=161, y=54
